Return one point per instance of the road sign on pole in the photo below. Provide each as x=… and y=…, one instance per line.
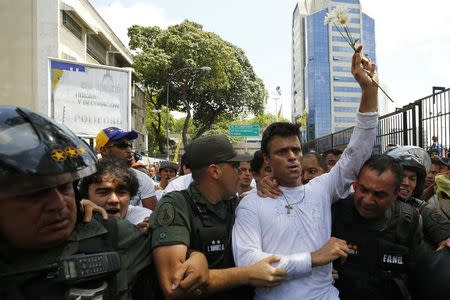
x=244, y=130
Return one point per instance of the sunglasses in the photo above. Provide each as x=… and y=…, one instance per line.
x=122, y=145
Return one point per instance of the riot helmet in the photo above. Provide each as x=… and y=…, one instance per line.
x=36, y=153
x=415, y=159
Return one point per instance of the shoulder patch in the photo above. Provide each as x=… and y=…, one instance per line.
x=166, y=214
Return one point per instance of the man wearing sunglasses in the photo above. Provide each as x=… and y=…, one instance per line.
x=114, y=143
x=201, y=218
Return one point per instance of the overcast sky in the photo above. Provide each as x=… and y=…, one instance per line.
x=412, y=37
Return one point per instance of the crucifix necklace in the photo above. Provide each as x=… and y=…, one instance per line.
x=288, y=205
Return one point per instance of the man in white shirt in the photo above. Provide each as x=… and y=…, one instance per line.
x=297, y=225
x=178, y=184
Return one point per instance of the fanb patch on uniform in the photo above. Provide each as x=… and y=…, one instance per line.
x=166, y=214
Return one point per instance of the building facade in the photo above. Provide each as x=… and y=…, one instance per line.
x=72, y=30
x=323, y=88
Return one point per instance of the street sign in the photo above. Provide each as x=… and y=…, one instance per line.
x=244, y=130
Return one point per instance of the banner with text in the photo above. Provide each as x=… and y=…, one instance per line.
x=88, y=99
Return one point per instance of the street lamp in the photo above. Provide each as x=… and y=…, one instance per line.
x=205, y=69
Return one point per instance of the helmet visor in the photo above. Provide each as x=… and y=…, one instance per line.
x=35, y=152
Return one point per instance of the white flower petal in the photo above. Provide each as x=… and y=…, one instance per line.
x=342, y=15
x=330, y=17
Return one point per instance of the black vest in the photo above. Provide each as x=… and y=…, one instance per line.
x=378, y=261
x=212, y=236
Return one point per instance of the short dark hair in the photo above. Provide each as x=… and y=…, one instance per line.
x=283, y=129
x=320, y=160
x=184, y=161
x=117, y=169
x=333, y=151
x=436, y=161
x=198, y=173
x=257, y=161
x=382, y=163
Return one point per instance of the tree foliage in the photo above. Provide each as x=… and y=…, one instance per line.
x=231, y=88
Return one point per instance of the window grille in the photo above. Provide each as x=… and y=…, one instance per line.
x=96, y=49
x=72, y=26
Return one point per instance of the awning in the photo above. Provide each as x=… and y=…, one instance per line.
x=71, y=6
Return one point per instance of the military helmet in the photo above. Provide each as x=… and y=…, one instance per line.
x=415, y=159
x=36, y=153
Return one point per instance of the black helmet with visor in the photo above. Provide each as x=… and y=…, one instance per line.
x=36, y=153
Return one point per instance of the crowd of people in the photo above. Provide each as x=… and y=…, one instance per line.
x=277, y=224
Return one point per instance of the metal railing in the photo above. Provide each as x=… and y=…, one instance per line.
x=414, y=124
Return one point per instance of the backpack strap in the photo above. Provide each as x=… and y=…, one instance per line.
x=407, y=222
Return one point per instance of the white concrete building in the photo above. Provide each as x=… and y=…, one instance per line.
x=34, y=31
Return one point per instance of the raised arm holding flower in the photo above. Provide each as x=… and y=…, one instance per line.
x=339, y=17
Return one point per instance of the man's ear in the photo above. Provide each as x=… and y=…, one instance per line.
x=355, y=184
x=103, y=151
x=266, y=158
x=214, y=171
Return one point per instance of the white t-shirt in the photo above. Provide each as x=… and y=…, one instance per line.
x=146, y=188
x=159, y=194
x=263, y=225
x=136, y=214
x=178, y=184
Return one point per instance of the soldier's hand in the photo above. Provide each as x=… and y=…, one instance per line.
x=268, y=187
x=144, y=226
x=333, y=249
x=263, y=274
x=443, y=244
x=89, y=208
x=196, y=273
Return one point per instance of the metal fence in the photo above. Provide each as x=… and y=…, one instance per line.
x=414, y=124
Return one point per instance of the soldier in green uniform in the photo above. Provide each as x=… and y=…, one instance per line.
x=201, y=218
x=46, y=251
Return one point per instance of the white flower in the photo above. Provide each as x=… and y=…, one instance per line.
x=341, y=13
x=330, y=18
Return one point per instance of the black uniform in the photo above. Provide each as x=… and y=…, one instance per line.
x=382, y=251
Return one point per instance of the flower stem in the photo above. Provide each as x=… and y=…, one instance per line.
x=344, y=37
x=384, y=92
x=350, y=41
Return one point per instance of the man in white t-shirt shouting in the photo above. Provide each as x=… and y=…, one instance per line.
x=297, y=225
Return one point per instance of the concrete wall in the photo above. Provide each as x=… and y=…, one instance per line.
x=71, y=45
x=47, y=45
x=17, y=54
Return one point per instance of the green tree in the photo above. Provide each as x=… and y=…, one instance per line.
x=231, y=88
x=156, y=126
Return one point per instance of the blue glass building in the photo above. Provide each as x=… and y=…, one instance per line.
x=322, y=84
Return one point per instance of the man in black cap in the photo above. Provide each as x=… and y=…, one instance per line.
x=201, y=218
